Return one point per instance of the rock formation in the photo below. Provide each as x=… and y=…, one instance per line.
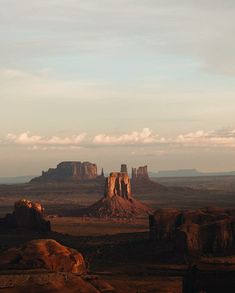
x=118, y=184
x=140, y=173
x=69, y=171
x=117, y=201
x=45, y=265
x=124, y=168
x=46, y=254
x=203, y=231
x=27, y=216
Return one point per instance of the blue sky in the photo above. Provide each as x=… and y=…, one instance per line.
x=142, y=82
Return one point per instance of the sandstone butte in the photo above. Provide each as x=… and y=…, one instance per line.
x=118, y=201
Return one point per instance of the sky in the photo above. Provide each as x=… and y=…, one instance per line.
x=129, y=81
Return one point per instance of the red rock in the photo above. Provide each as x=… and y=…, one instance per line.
x=163, y=224
x=117, y=201
x=26, y=216
x=45, y=254
x=69, y=171
x=204, y=231
x=118, y=184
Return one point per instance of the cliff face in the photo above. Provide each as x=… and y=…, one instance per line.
x=124, y=168
x=195, y=232
x=118, y=184
x=27, y=216
x=69, y=171
x=140, y=173
x=117, y=201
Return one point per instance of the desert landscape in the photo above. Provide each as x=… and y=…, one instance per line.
x=134, y=234
x=117, y=146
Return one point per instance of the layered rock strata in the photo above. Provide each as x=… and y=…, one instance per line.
x=69, y=171
x=118, y=184
x=140, y=172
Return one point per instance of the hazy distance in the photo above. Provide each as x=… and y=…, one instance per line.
x=141, y=82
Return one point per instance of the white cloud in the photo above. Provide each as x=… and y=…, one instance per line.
x=26, y=138
x=223, y=138
x=146, y=136
x=213, y=138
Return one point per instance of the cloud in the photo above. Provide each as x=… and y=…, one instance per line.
x=26, y=138
x=222, y=138
x=146, y=136
x=210, y=139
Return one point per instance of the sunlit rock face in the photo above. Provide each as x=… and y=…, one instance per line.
x=27, y=216
x=44, y=253
x=203, y=231
x=118, y=184
x=45, y=265
x=69, y=171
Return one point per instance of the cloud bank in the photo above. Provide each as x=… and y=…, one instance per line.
x=146, y=137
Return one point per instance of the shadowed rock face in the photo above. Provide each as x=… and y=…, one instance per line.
x=69, y=171
x=162, y=224
x=26, y=216
x=118, y=184
x=206, y=230
x=46, y=254
x=140, y=173
x=124, y=168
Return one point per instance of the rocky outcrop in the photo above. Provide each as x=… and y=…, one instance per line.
x=117, y=201
x=118, y=184
x=162, y=224
x=45, y=265
x=27, y=216
x=45, y=254
x=69, y=171
x=124, y=168
x=140, y=173
x=204, y=231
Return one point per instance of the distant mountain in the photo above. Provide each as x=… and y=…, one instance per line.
x=15, y=180
x=188, y=173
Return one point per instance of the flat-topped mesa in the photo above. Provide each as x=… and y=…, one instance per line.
x=72, y=170
x=118, y=184
x=140, y=173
